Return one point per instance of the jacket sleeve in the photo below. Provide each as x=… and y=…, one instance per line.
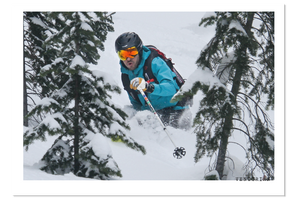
x=167, y=85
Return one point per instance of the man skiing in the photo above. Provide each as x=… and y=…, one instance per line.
x=159, y=89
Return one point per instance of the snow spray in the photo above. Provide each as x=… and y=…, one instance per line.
x=179, y=152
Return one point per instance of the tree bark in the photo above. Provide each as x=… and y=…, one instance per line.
x=234, y=90
x=228, y=123
x=25, y=104
x=76, y=126
x=76, y=121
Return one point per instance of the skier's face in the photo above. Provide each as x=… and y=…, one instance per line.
x=132, y=63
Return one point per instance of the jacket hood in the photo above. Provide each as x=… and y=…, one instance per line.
x=145, y=55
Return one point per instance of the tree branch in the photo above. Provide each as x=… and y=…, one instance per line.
x=257, y=106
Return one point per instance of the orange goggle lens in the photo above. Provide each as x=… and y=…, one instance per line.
x=128, y=53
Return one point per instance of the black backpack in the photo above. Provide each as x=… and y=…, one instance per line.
x=149, y=76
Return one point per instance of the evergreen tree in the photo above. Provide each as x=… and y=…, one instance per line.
x=79, y=110
x=241, y=54
x=37, y=28
x=34, y=58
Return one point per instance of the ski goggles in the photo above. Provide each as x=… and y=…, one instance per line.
x=128, y=53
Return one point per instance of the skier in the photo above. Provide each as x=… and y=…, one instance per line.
x=133, y=55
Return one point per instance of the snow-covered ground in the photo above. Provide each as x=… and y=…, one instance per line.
x=180, y=37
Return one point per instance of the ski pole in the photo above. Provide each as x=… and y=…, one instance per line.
x=153, y=110
x=178, y=152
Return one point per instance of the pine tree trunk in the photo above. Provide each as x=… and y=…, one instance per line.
x=25, y=104
x=76, y=123
x=228, y=124
x=242, y=63
x=76, y=126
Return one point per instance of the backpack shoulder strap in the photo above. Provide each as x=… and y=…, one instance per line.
x=148, y=74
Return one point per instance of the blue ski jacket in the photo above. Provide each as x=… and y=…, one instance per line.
x=163, y=92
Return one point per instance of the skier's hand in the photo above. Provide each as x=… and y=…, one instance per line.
x=138, y=84
x=141, y=84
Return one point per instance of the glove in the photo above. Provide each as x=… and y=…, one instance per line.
x=141, y=84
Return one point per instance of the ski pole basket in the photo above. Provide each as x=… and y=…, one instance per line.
x=179, y=152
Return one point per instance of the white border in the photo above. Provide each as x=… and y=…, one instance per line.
x=21, y=187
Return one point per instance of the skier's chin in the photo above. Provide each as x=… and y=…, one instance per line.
x=130, y=66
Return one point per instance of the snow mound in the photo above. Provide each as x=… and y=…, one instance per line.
x=99, y=144
x=147, y=120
